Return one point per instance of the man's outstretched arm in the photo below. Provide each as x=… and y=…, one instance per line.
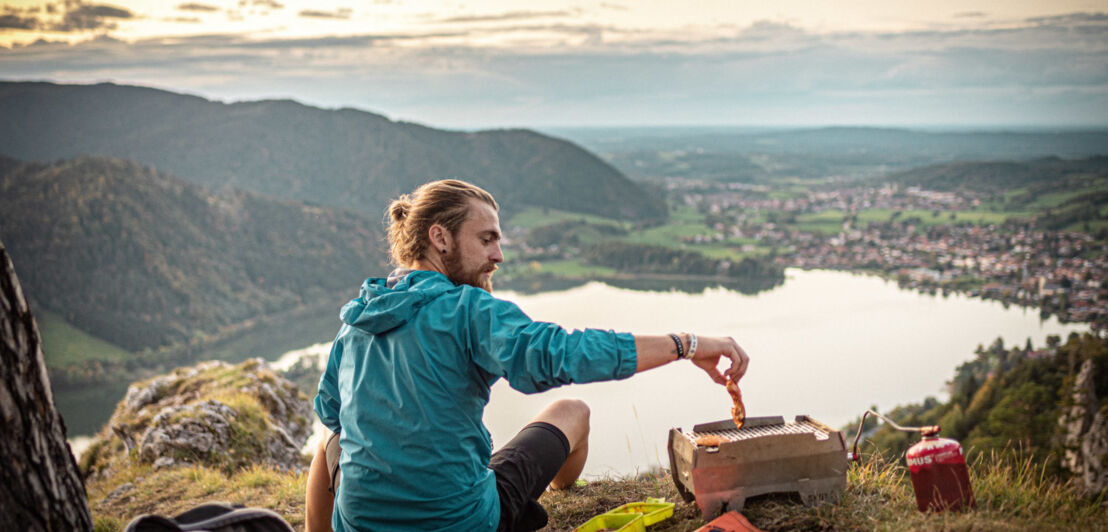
x=654, y=351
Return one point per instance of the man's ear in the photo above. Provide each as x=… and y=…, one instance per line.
x=440, y=238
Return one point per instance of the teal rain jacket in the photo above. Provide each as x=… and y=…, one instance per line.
x=407, y=382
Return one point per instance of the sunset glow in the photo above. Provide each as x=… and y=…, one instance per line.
x=494, y=63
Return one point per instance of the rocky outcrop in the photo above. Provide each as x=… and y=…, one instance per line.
x=214, y=413
x=1084, y=432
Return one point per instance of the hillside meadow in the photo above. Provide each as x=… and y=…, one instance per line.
x=1012, y=491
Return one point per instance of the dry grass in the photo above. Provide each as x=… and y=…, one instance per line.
x=1013, y=494
x=174, y=490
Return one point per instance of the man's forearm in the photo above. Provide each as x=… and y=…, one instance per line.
x=654, y=351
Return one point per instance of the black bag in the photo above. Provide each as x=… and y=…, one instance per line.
x=213, y=517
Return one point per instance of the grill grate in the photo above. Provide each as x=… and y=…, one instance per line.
x=747, y=433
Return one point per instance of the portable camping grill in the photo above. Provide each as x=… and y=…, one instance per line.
x=767, y=455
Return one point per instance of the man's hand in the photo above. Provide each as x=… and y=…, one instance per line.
x=710, y=349
x=656, y=350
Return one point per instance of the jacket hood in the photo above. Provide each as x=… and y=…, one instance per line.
x=380, y=308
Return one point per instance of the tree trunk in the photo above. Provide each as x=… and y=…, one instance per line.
x=40, y=489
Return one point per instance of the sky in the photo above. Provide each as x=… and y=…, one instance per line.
x=473, y=64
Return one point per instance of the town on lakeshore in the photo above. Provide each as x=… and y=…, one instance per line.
x=933, y=241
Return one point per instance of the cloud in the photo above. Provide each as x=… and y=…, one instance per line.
x=193, y=6
x=272, y=5
x=766, y=30
x=17, y=22
x=76, y=15
x=542, y=30
x=1071, y=19
x=40, y=43
x=340, y=13
x=509, y=16
x=970, y=14
x=1053, y=69
x=80, y=16
x=17, y=18
x=99, y=10
x=183, y=20
x=16, y=10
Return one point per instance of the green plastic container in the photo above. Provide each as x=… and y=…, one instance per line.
x=653, y=511
x=623, y=522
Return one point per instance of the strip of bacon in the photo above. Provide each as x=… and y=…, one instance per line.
x=710, y=440
x=738, y=412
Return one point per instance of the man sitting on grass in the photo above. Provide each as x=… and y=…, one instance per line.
x=411, y=368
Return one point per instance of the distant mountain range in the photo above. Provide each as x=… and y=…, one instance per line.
x=892, y=144
x=144, y=260
x=784, y=155
x=342, y=157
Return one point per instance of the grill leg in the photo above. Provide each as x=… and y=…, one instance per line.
x=713, y=504
x=820, y=491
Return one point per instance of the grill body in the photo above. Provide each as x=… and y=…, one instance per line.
x=767, y=455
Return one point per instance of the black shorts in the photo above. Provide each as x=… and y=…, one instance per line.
x=524, y=467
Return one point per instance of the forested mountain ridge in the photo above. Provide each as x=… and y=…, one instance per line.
x=1045, y=174
x=342, y=157
x=144, y=260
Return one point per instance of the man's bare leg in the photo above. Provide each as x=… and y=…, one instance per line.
x=571, y=416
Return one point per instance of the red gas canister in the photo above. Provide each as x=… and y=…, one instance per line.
x=940, y=477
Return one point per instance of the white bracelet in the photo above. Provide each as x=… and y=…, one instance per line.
x=692, y=345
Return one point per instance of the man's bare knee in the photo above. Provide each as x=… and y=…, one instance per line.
x=573, y=407
x=571, y=416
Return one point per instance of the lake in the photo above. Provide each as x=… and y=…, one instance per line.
x=827, y=344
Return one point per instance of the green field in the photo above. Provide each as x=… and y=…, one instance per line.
x=830, y=222
x=1052, y=199
x=64, y=344
x=532, y=217
x=684, y=222
x=824, y=223
x=792, y=192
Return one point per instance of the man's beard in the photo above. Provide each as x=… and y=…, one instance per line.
x=456, y=273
